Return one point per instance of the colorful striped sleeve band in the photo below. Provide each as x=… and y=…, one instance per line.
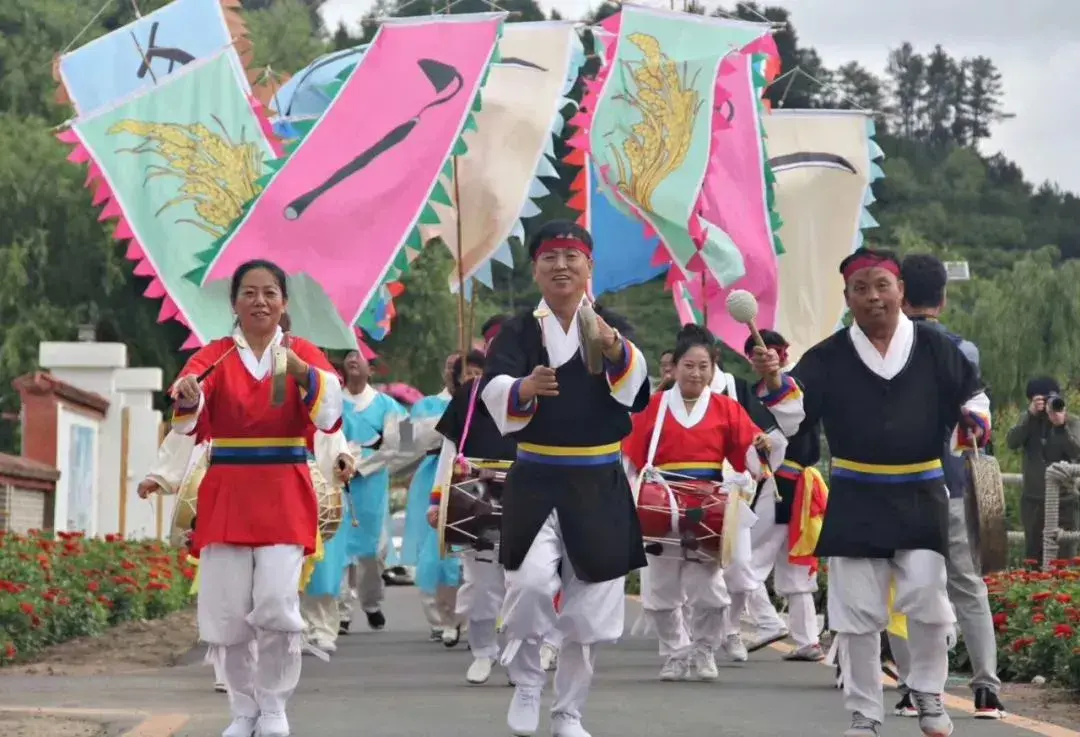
x=516, y=408
x=788, y=390
x=618, y=373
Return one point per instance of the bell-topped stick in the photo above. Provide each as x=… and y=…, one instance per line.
x=743, y=307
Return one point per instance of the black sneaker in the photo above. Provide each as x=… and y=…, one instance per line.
x=343, y=627
x=904, y=707
x=987, y=704
x=376, y=620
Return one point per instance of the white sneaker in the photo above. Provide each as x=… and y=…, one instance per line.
x=765, y=637
x=220, y=687
x=272, y=724
x=523, y=718
x=704, y=664
x=326, y=647
x=549, y=656
x=240, y=727
x=735, y=649
x=564, y=725
x=675, y=669
x=479, y=671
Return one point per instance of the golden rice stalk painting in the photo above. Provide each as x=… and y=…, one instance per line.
x=219, y=176
x=668, y=106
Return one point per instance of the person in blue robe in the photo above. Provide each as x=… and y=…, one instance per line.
x=353, y=560
x=437, y=579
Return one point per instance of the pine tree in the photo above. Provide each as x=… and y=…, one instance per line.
x=907, y=74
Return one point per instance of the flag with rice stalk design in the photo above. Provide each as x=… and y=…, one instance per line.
x=343, y=206
x=647, y=123
x=173, y=166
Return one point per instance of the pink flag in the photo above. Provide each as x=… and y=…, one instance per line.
x=348, y=198
x=734, y=199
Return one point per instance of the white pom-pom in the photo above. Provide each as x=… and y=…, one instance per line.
x=742, y=306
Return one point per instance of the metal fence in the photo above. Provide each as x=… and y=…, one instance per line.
x=1061, y=482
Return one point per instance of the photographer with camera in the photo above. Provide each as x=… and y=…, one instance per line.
x=1045, y=434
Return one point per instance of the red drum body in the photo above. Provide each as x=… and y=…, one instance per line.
x=689, y=513
x=470, y=513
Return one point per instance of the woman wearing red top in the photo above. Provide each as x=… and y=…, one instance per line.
x=257, y=509
x=698, y=430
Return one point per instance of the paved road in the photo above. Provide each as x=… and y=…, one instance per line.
x=396, y=684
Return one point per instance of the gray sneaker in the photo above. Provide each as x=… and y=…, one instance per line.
x=862, y=726
x=933, y=720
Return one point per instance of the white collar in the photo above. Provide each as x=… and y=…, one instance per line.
x=362, y=400
x=561, y=344
x=895, y=358
x=259, y=368
x=678, y=407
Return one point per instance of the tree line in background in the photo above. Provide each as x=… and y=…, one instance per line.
x=60, y=268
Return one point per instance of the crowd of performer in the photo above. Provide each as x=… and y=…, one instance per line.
x=707, y=486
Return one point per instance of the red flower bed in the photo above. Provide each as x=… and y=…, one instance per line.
x=1037, y=619
x=53, y=589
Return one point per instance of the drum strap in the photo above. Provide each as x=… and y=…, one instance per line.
x=468, y=419
x=654, y=442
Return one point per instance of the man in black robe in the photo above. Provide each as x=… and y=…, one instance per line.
x=567, y=505
x=886, y=391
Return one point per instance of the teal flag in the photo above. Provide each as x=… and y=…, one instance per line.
x=652, y=126
x=176, y=164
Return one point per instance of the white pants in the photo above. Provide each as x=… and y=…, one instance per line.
x=671, y=582
x=250, y=594
x=591, y=613
x=738, y=574
x=858, y=612
x=480, y=599
x=321, y=618
x=769, y=542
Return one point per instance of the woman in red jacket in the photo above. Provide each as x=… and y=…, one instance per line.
x=257, y=509
x=689, y=431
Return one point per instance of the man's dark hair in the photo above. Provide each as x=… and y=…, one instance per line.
x=554, y=229
x=492, y=322
x=878, y=255
x=1040, y=386
x=771, y=338
x=473, y=358
x=924, y=280
x=668, y=352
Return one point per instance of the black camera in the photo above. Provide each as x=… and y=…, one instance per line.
x=1055, y=402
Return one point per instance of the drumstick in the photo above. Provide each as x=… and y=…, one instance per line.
x=743, y=307
x=348, y=490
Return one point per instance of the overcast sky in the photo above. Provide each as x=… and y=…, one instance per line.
x=1035, y=44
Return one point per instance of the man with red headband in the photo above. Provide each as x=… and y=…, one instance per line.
x=567, y=503
x=886, y=390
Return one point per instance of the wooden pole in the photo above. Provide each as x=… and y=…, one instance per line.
x=125, y=445
x=704, y=301
x=462, y=335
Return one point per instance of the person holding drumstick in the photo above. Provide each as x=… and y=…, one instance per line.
x=469, y=433
x=568, y=477
x=886, y=391
x=689, y=431
x=258, y=515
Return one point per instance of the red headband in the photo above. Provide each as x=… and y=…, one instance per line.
x=492, y=332
x=554, y=244
x=871, y=261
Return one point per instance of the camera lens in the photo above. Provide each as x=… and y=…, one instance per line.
x=1057, y=404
